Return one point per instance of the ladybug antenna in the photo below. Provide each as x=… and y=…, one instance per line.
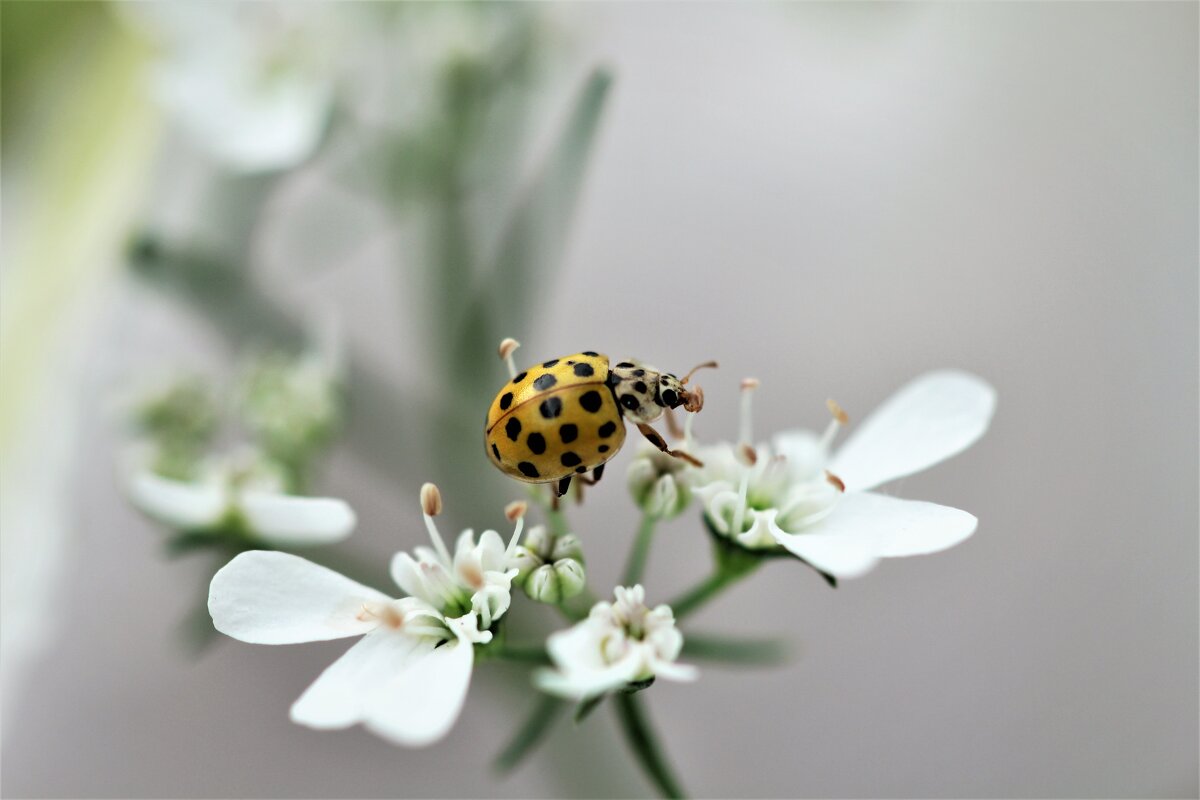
x=705, y=365
x=506, y=350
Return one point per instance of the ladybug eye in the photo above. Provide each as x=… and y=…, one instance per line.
x=670, y=398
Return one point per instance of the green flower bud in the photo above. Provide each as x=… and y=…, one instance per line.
x=571, y=577
x=658, y=485
x=543, y=585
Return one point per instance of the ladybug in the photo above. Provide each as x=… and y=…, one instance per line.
x=564, y=417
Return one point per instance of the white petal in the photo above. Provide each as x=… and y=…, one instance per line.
x=265, y=597
x=584, y=683
x=931, y=419
x=868, y=526
x=189, y=506
x=420, y=705
x=341, y=695
x=286, y=519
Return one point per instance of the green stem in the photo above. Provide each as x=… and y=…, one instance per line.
x=531, y=654
x=644, y=745
x=641, y=550
x=530, y=734
x=701, y=593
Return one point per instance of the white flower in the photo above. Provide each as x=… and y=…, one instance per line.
x=407, y=678
x=478, y=578
x=244, y=80
x=618, y=644
x=243, y=491
x=795, y=495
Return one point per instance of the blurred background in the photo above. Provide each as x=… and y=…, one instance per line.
x=831, y=198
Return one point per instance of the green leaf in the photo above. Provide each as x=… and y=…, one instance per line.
x=584, y=709
x=733, y=650
x=530, y=734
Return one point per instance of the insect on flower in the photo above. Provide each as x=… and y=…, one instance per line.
x=563, y=417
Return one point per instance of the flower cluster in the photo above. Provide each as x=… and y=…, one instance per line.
x=407, y=678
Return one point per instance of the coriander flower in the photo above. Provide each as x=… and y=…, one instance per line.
x=794, y=494
x=619, y=644
x=550, y=567
x=659, y=482
x=407, y=678
x=244, y=493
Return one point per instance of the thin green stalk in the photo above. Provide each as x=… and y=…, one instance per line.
x=530, y=654
x=530, y=734
x=701, y=593
x=640, y=552
x=644, y=745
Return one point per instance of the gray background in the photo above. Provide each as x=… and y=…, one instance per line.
x=831, y=199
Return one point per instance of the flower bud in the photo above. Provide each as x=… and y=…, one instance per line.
x=571, y=577
x=567, y=546
x=543, y=585
x=657, y=486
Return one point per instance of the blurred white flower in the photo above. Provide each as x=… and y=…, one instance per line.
x=407, y=679
x=245, y=493
x=618, y=644
x=793, y=494
x=245, y=81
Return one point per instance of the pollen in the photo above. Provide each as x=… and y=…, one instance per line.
x=515, y=510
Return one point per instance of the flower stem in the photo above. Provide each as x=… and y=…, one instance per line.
x=530, y=734
x=644, y=745
x=531, y=654
x=641, y=550
x=701, y=593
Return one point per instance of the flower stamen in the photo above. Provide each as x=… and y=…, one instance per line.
x=515, y=512
x=839, y=419
x=746, y=430
x=506, y=350
x=431, y=505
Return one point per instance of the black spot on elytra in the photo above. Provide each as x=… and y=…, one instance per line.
x=581, y=470
x=640, y=387
x=495, y=451
x=584, y=370
x=520, y=377
x=550, y=363
x=625, y=364
x=591, y=353
x=639, y=372
x=505, y=401
x=670, y=398
x=551, y=407
x=591, y=401
x=630, y=402
x=570, y=459
x=607, y=429
x=568, y=433
x=527, y=469
x=513, y=428
x=602, y=448
x=544, y=382
x=537, y=443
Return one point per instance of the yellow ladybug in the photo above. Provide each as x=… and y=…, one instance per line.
x=563, y=417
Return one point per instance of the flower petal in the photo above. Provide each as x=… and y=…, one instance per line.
x=931, y=419
x=420, y=705
x=287, y=519
x=265, y=597
x=868, y=526
x=188, y=506
x=342, y=694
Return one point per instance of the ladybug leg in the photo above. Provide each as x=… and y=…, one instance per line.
x=597, y=474
x=562, y=486
x=661, y=444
